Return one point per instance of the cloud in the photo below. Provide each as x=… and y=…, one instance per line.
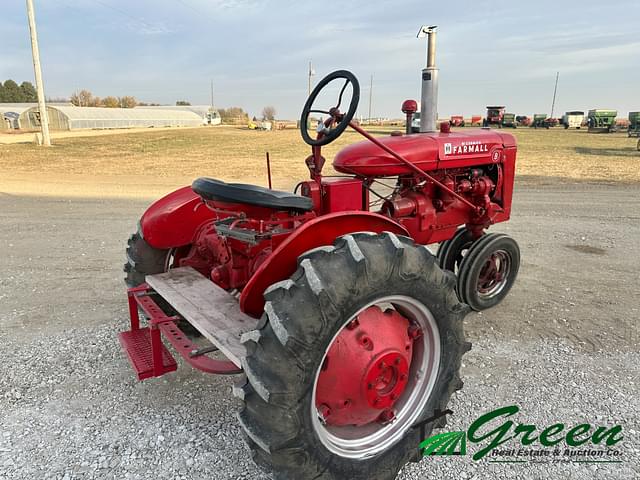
x=257, y=51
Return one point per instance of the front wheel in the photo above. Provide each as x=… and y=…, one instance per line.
x=362, y=343
x=488, y=271
x=451, y=252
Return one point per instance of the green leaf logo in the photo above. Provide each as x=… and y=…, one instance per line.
x=449, y=443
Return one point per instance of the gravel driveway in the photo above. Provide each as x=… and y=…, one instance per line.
x=563, y=346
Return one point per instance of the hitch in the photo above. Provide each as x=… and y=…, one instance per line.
x=147, y=354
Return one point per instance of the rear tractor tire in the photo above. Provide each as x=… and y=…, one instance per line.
x=488, y=270
x=361, y=344
x=143, y=260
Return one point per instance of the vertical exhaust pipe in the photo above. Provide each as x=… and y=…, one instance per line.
x=429, y=95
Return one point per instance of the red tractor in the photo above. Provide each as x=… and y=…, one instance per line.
x=346, y=330
x=456, y=121
x=495, y=114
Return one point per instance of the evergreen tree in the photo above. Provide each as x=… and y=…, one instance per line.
x=12, y=92
x=28, y=92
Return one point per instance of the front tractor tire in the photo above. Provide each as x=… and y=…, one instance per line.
x=360, y=345
x=451, y=252
x=488, y=271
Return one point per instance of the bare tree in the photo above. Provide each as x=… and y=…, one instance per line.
x=127, y=102
x=110, y=102
x=83, y=98
x=233, y=116
x=269, y=113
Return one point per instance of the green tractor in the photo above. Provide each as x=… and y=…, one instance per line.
x=539, y=120
x=509, y=120
x=634, y=124
x=602, y=121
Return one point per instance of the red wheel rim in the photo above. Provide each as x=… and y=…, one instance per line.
x=494, y=274
x=375, y=377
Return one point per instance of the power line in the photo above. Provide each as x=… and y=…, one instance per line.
x=122, y=12
x=191, y=7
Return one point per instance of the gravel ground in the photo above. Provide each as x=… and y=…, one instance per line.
x=563, y=346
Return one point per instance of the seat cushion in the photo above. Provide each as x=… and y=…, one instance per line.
x=211, y=189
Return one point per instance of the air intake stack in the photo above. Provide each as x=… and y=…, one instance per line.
x=429, y=96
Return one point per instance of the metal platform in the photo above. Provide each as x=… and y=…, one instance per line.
x=137, y=345
x=209, y=308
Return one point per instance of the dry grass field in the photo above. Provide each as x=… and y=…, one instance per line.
x=139, y=164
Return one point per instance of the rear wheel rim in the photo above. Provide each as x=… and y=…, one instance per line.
x=374, y=438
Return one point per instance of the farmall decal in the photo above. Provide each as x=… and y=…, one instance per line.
x=472, y=146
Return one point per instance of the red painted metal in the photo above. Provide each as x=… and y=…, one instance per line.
x=411, y=166
x=495, y=114
x=409, y=107
x=476, y=120
x=342, y=194
x=366, y=159
x=137, y=345
x=230, y=251
x=444, y=179
x=173, y=220
x=456, y=121
x=366, y=369
x=187, y=349
x=320, y=231
x=144, y=347
x=493, y=271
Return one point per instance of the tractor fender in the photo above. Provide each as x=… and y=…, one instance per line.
x=320, y=231
x=173, y=220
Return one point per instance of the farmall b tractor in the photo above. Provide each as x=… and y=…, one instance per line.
x=345, y=329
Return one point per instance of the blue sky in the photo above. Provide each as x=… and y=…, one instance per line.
x=257, y=51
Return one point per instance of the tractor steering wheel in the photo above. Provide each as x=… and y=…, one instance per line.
x=337, y=122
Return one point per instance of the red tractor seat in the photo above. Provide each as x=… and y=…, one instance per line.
x=211, y=189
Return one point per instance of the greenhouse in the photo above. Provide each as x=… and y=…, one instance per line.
x=209, y=115
x=10, y=113
x=73, y=118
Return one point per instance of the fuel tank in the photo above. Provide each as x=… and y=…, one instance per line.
x=428, y=151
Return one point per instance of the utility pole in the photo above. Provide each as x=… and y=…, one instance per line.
x=370, y=97
x=555, y=89
x=211, y=94
x=311, y=74
x=44, y=118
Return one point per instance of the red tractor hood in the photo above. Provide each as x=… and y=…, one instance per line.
x=427, y=151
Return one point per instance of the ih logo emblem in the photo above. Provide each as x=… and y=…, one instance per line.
x=447, y=149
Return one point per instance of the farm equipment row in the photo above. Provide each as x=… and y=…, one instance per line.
x=597, y=121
